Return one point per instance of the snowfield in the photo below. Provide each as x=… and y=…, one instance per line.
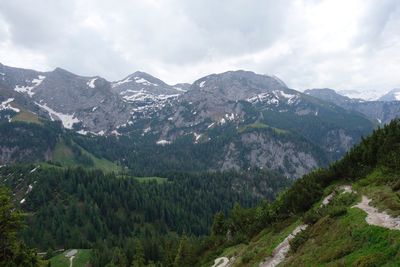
x=29, y=89
x=91, y=83
x=6, y=105
x=67, y=120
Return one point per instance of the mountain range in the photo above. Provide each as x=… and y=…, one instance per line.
x=381, y=111
x=242, y=119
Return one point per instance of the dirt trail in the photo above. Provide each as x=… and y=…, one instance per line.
x=280, y=252
x=377, y=218
x=328, y=198
x=221, y=262
x=71, y=255
x=70, y=260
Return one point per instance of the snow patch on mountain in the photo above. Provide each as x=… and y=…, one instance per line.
x=67, y=120
x=291, y=98
x=267, y=98
x=230, y=117
x=29, y=89
x=146, y=130
x=91, y=83
x=82, y=132
x=364, y=95
x=142, y=95
x=197, y=137
x=180, y=89
x=6, y=105
x=274, y=98
x=163, y=142
x=144, y=81
x=201, y=84
x=126, y=80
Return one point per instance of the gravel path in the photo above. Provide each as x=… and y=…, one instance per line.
x=221, y=262
x=378, y=218
x=71, y=255
x=280, y=252
x=328, y=198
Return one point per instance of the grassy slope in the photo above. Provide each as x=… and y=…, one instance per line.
x=64, y=155
x=260, y=247
x=81, y=259
x=158, y=180
x=343, y=240
x=250, y=127
x=348, y=241
x=26, y=116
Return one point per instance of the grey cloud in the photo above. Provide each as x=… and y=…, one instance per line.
x=180, y=40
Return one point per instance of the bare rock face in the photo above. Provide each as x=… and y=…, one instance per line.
x=278, y=155
x=392, y=95
x=273, y=154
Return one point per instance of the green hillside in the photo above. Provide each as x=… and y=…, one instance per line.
x=68, y=154
x=337, y=232
x=127, y=220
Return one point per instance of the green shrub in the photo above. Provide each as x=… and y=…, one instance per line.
x=344, y=199
x=299, y=240
x=336, y=211
x=371, y=260
x=396, y=186
x=247, y=257
x=311, y=216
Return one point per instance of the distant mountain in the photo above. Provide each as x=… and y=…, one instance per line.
x=368, y=95
x=393, y=95
x=232, y=120
x=381, y=112
x=82, y=103
x=332, y=96
x=144, y=91
x=264, y=123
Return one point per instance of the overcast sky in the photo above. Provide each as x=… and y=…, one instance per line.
x=341, y=44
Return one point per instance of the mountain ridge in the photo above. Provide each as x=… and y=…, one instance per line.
x=254, y=120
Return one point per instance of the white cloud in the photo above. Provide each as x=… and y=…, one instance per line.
x=344, y=44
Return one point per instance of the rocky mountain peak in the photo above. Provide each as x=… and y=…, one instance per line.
x=329, y=95
x=236, y=85
x=63, y=72
x=392, y=95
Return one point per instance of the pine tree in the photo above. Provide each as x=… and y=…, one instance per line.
x=12, y=251
x=218, y=228
x=184, y=254
x=138, y=258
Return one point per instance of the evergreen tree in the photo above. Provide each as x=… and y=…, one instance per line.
x=12, y=251
x=138, y=258
x=218, y=227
